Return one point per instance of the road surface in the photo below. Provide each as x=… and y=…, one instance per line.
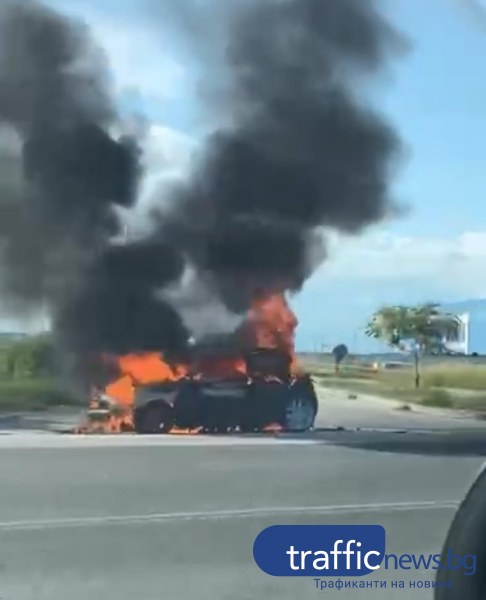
x=176, y=517
x=351, y=410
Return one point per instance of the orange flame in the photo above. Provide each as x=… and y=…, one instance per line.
x=272, y=428
x=122, y=390
x=141, y=369
x=149, y=368
x=271, y=323
x=136, y=369
x=225, y=367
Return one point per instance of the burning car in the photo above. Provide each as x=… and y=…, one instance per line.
x=249, y=381
x=266, y=397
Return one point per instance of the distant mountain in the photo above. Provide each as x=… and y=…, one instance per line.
x=472, y=305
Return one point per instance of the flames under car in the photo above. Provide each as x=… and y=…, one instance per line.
x=266, y=396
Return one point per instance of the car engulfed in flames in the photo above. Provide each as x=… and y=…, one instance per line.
x=261, y=389
x=267, y=398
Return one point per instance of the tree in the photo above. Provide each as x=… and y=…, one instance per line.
x=419, y=329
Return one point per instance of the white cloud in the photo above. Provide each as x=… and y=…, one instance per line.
x=167, y=155
x=381, y=268
x=382, y=261
x=167, y=150
x=132, y=48
x=137, y=56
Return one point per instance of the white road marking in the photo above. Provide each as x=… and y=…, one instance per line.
x=64, y=441
x=243, y=513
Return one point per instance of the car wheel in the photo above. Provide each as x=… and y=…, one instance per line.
x=300, y=412
x=155, y=418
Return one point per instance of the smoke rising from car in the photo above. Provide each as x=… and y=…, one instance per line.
x=296, y=150
x=63, y=186
x=299, y=148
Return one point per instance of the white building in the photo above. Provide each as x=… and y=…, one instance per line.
x=471, y=336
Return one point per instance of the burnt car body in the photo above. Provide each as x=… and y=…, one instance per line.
x=266, y=395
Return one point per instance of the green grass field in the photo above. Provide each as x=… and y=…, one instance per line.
x=450, y=384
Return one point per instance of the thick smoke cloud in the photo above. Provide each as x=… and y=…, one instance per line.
x=54, y=95
x=296, y=150
x=301, y=151
x=62, y=187
x=118, y=310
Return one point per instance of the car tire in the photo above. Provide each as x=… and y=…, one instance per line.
x=155, y=418
x=466, y=536
x=300, y=410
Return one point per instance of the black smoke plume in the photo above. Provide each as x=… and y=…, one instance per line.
x=65, y=176
x=54, y=97
x=118, y=311
x=296, y=150
x=302, y=150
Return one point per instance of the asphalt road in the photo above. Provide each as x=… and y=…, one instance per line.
x=341, y=408
x=140, y=517
x=176, y=518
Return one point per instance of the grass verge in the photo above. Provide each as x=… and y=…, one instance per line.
x=461, y=377
x=34, y=394
x=446, y=384
x=458, y=399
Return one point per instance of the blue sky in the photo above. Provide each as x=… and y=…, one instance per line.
x=435, y=96
x=438, y=101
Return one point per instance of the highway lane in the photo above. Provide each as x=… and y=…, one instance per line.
x=177, y=519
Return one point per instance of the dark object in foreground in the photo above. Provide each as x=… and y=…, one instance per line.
x=267, y=396
x=466, y=537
